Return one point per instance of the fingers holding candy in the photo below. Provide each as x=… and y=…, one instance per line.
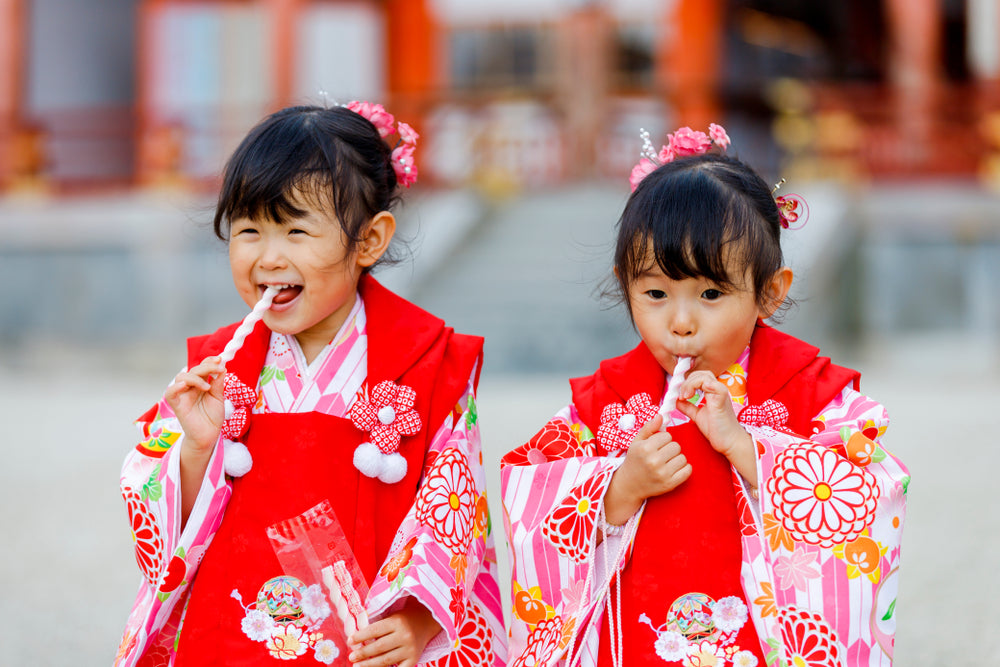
x=196, y=397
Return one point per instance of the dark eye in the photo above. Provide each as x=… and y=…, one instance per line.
x=656, y=294
x=242, y=231
x=711, y=294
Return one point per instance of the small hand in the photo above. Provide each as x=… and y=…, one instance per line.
x=196, y=397
x=398, y=639
x=654, y=465
x=716, y=419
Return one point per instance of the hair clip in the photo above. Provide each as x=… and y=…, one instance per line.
x=684, y=142
x=792, y=209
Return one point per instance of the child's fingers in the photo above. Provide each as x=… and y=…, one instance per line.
x=699, y=380
x=384, y=650
x=650, y=428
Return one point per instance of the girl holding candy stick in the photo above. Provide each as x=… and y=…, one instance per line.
x=719, y=495
x=337, y=419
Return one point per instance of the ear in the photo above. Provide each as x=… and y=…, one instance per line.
x=375, y=240
x=776, y=290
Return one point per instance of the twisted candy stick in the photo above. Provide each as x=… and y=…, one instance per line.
x=681, y=368
x=247, y=325
x=345, y=598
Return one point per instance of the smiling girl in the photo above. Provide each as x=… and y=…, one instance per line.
x=337, y=452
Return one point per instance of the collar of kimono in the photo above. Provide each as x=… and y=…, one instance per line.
x=398, y=335
x=775, y=359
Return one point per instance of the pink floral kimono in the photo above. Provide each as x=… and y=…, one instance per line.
x=816, y=548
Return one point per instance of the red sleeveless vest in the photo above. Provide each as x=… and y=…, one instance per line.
x=687, y=553
x=300, y=460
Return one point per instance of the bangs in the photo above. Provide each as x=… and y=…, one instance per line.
x=690, y=233
x=265, y=181
x=700, y=218
x=296, y=160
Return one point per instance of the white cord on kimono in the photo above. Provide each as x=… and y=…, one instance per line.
x=248, y=323
x=681, y=369
x=627, y=536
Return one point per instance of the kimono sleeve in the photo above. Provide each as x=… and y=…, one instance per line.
x=824, y=555
x=553, y=491
x=443, y=552
x=166, y=552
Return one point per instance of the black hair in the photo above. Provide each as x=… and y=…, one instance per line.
x=691, y=210
x=329, y=156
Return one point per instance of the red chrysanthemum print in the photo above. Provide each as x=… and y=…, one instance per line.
x=543, y=642
x=555, y=441
x=474, y=647
x=146, y=535
x=570, y=525
x=620, y=423
x=399, y=561
x=174, y=575
x=819, y=497
x=809, y=641
x=447, y=501
x=748, y=526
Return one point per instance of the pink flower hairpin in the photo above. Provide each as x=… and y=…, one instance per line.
x=402, y=154
x=684, y=142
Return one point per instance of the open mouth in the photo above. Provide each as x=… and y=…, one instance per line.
x=287, y=293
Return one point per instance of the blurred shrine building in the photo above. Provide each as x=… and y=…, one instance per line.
x=107, y=94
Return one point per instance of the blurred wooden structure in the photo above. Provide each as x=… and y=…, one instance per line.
x=508, y=103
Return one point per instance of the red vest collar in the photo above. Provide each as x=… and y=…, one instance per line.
x=399, y=333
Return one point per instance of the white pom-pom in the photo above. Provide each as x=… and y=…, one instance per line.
x=368, y=459
x=626, y=422
x=230, y=408
x=236, y=458
x=393, y=468
x=386, y=415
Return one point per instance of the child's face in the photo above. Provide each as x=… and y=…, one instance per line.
x=695, y=317
x=311, y=256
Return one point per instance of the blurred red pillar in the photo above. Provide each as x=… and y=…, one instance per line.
x=13, y=27
x=412, y=76
x=688, y=60
x=915, y=31
x=282, y=15
x=157, y=144
x=585, y=56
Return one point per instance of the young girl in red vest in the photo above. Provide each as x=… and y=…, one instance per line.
x=750, y=516
x=336, y=452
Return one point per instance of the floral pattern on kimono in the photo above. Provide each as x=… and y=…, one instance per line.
x=820, y=541
x=442, y=554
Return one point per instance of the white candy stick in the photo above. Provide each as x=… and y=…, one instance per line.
x=248, y=323
x=681, y=368
x=345, y=598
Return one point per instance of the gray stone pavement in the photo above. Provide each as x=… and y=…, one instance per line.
x=523, y=273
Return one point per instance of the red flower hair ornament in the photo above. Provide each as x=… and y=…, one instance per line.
x=387, y=415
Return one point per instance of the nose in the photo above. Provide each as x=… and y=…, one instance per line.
x=682, y=321
x=272, y=254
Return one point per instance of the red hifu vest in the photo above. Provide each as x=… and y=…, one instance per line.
x=300, y=460
x=687, y=552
